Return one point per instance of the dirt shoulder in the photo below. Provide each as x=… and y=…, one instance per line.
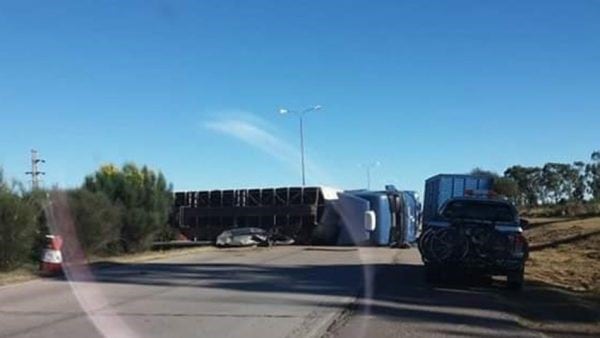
x=30, y=272
x=554, y=311
x=22, y=274
x=565, y=252
x=562, y=295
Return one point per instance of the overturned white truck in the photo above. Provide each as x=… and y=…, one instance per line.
x=309, y=215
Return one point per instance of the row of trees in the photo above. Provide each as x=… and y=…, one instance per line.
x=18, y=224
x=138, y=204
x=553, y=183
x=115, y=210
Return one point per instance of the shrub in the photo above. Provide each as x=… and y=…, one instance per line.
x=39, y=200
x=97, y=221
x=506, y=187
x=17, y=227
x=145, y=197
x=572, y=209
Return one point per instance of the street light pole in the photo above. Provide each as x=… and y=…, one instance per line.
x=300, y=114
x=302, y=149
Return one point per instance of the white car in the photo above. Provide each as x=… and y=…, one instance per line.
x=242, y=237
x=250, y=237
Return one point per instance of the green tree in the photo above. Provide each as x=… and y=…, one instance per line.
x=482, y=172
x=559, y=181
x=38, y=198
x=97, y=221
x=580, y=186
x=145, y=197
x=570, y=177
x=506, y=186
x=528, y=180
x=17, y=226
x=593, y=175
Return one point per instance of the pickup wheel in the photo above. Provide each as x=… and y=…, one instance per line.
x=515, y=280
x=433, y=274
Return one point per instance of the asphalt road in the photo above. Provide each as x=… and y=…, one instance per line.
x=404, y=305
x=277, y=292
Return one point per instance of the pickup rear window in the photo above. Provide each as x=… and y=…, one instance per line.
x=479, y=210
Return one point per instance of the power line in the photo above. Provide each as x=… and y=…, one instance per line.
x=35, y=173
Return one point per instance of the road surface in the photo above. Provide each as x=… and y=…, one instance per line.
x=416, y=309
x=277, y=292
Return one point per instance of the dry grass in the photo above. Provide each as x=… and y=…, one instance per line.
x=562, y=296
x=565, y=253
x=22, y=274
x=29, y=272
x=149, y=255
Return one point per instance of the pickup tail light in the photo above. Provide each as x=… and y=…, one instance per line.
x=519, y=244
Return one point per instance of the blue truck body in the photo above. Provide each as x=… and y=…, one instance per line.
x=412, y=216
x=379, y=203
x=398, y=215
x=440, y=188
x=350, y=210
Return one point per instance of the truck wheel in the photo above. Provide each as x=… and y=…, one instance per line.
x=433, y=274
x=515, y=280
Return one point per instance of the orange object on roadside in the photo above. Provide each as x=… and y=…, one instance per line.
x=51, y=260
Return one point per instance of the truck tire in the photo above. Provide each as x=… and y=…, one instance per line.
x=515, y=280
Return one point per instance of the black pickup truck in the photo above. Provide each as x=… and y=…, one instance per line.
x=475, y=235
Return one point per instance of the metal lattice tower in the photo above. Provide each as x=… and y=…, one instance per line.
x=35, y=173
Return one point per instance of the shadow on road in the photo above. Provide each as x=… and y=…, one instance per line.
x=401, y=293
x=547, y=309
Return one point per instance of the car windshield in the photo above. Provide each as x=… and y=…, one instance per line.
x=479, y=210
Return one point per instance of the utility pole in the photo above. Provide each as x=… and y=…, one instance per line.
x=35, y=173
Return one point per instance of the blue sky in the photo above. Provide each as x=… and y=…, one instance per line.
x=193, y=87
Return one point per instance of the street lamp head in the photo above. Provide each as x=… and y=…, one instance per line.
x=284, y=111
x=300, y=114
x=313, y=108
x=370, y=165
